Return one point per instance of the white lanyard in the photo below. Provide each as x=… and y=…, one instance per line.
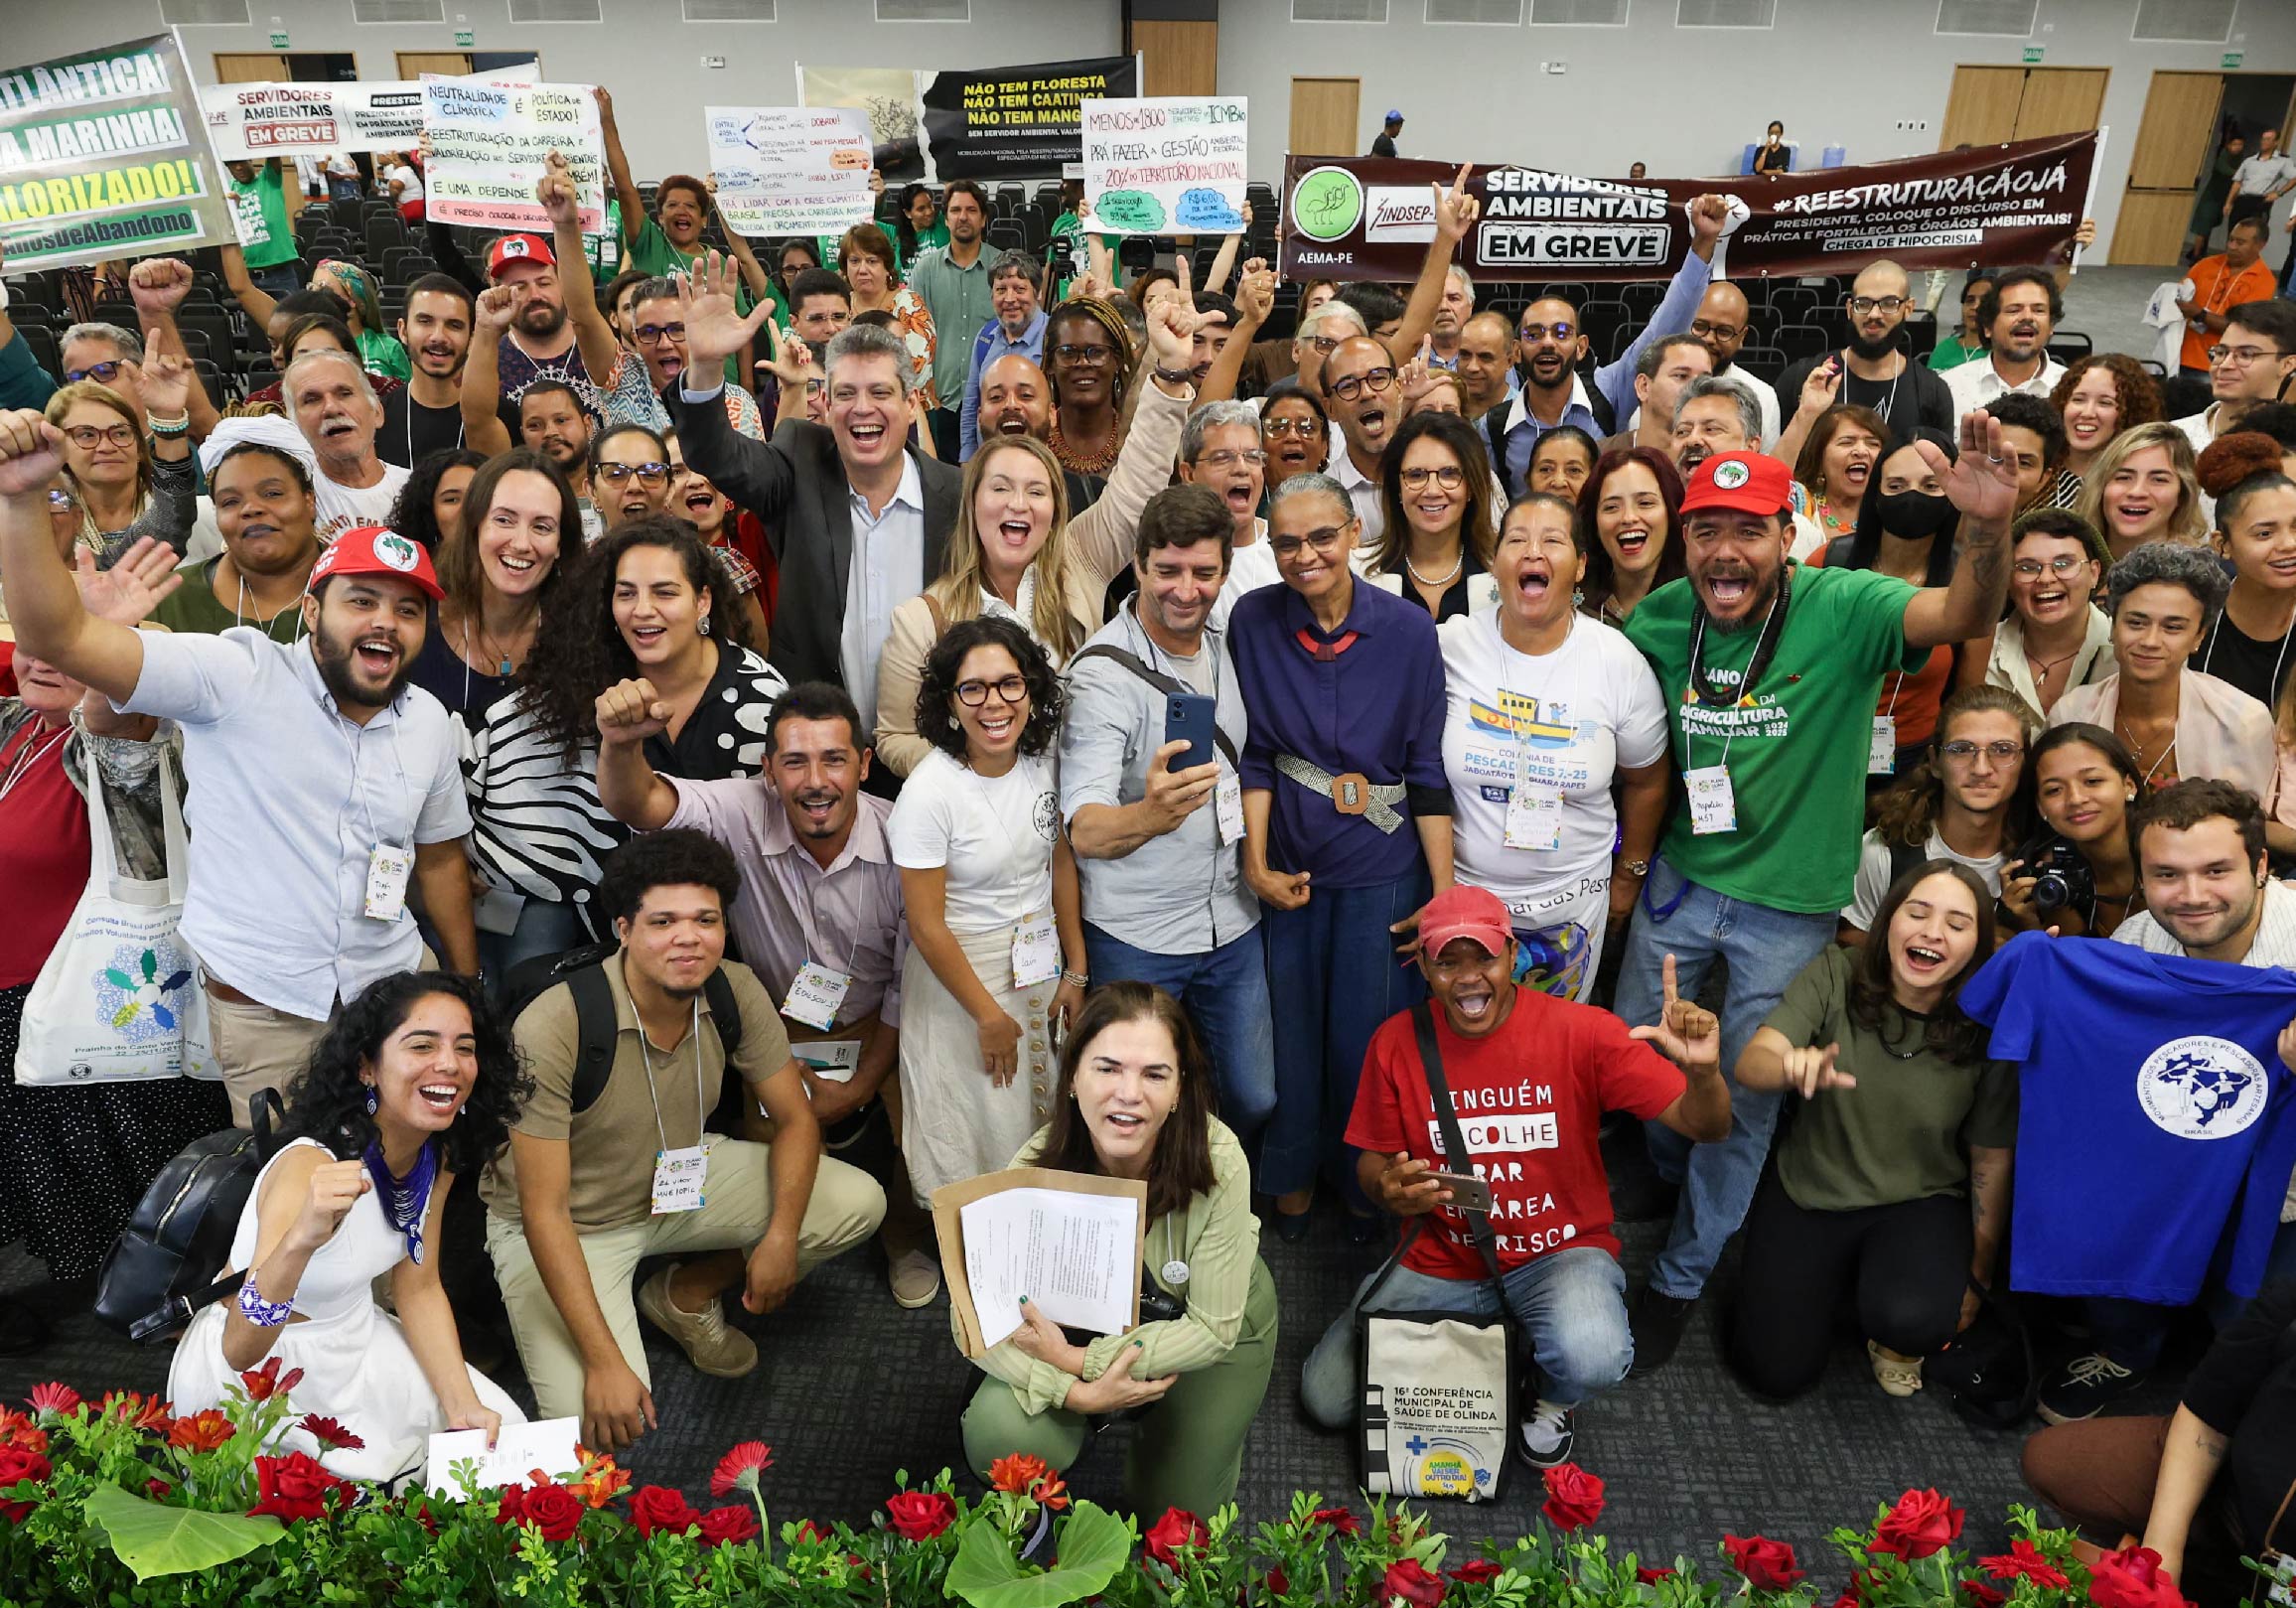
x=700, y=1109
x=2223, y=624
x=35, y=750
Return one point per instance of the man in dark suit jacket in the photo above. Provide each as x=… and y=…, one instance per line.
x=858, y=521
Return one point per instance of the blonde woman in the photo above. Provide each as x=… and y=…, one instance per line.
x=867, y=259
x=2144, y=487
x=125, y=484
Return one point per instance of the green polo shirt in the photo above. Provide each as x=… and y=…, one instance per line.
x=958, y=300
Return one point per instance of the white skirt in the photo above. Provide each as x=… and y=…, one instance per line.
x=955, y=1123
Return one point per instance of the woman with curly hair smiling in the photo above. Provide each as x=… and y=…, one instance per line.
x=996, y=933
x=416, y=1085
x=2098, y=398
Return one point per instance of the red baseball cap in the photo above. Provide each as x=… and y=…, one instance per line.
x=373, y=549
x=521, y=248
x=1750, y=481
x=1463, y=911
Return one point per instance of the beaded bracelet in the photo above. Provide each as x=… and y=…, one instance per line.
x=260, y=1312
x=181, y=424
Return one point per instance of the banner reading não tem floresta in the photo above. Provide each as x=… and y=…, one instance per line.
x=1368, y=218
x=102, y=155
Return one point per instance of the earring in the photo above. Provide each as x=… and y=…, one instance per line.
x=373, y=1100
x=703, y=627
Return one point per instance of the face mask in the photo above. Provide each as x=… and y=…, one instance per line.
x=1915, y=515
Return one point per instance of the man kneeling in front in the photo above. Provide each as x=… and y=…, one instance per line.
x=610, y=1162
x=1530, y=1075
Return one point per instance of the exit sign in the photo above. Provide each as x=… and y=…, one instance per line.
x=465, y=39
x=279, y=39
x=2032, y=54
x=2231, y=60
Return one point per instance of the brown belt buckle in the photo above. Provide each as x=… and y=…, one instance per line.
x=1352, y=792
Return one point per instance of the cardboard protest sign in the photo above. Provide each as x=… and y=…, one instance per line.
x=102, y=155
x=490, y=143
x=1371, y=217
x=1165, y=164
x=789, y=170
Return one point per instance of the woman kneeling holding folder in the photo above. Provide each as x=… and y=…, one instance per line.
x=1135, y=1100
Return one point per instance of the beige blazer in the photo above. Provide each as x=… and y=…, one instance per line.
x=2222, y=732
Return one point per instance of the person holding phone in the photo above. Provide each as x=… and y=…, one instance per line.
x=1154, y=806
x=1529, y=1076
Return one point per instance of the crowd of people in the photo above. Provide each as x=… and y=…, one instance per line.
x=951, y=709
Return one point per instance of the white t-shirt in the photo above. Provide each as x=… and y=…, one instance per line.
x=343, y=508
x=1575, y=715
x=1873, y=875
x=409, y=182
x=993, y=834
x=1248, y=569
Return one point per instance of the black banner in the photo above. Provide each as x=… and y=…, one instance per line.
x=1016, y=122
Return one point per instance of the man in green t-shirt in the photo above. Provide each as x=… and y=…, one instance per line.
x=266, y=233
x=1772, y=674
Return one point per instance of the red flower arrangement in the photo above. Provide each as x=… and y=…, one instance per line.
x=739, y=1469
x=134, y=1407
x=1342, y=1521
x=1021, y=1475
x=1176, y=1529
x=2023, y=1559
x=204, y=1431
x=2133, y=1578
x=1922, y=1523
x=262, y=1384
x=18, y=1466
x=657, y=1508
x=1574, y=1498
x=60, y=1399
x=296, y=1486
x=1475, y=1571
x=1408, y=1579
x=918, y=1515
x=551, y=1508
x=1767, y=1564
x=17, y=1429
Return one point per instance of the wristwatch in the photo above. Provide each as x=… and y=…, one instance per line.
x=1635, y=869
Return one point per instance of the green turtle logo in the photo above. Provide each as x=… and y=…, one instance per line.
x=1732, y=474
x=1326, y=203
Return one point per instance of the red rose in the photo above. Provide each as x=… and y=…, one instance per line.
x=1176, y=1530
x=1342, y=1519
x=723, y=1525
x=1848, y=1598
x=157, y=1490
x=555, y=1508
x=1574, y=1498
x=1767, y=1564
x=2026, y=1559
x=1646, y=1575
x=19, y=1465
x=656, y=1506
x=1278, y=1582
x=1408, y=1580
x=296, y=1486
x=1921, y=1524
x=1475, y=1571
x=918, y=1515
x=1983, y=1595
x=510, y=1505
x=2132, y=1578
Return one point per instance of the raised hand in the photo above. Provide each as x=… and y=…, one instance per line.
x=1455, y=210
x=706, y=301
x=1685, y=1033
x=555, y=191
x=1983, y=482
x=1810, y=1069
x=1256, y=292
x=628, y=712
x=1172, y=327
x=336, y=1187
x=1708, y=215
x=499, y=307
x=138, y=579
x=167, y=385
x=1418, y=374
x=31, y=452
x=158, y=285
x=1821, y=386
x=791, y=361
x=605, y=99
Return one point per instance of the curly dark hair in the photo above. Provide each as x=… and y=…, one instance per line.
x=936, y=689
x=578, y=652
x=1599, y=580
x=1873, y=1004
x=327, y=1102
x=678, y=858
x=411, y=515
x=2140, y=394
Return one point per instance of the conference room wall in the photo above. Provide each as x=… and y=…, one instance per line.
x=1687, y=100
x=643, y=52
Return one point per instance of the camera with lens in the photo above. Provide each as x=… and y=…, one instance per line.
x=2060, y=875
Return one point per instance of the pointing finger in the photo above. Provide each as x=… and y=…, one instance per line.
x=1667, y=971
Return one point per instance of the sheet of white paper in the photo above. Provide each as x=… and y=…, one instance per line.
x=519, y=1449
x=1075, y=1256
x=789, y=170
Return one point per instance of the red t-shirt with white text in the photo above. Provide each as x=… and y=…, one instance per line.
x=1529, y=1100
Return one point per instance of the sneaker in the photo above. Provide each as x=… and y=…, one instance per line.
x=1546, y=1435
x=1897, y=1375
x=714, y=1345
x=915, y=1279
x=2085, y=1386
x=1658, y=1322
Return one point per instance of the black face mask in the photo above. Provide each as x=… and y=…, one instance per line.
x=1915, y=515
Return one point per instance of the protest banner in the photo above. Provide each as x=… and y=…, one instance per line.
x=1165, y=164
x=886, y=97
x=1371, y=219
x=251, y=121
x=102, y=155
x=1016, y=122
x=789, y=170
x=489, y=142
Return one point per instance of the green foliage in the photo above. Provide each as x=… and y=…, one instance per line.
x=1091, y=1544
x=152, y=1539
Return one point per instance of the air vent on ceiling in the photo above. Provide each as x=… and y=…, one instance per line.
x=2003, y=19
x=1497, y=13
x=1725, y=13
x=1338, y=10
x=374, y=11
x=204, y=13
x=729, y=10
x=924, y=10
x=555, y=11
x=2193, y=22
x=1578, y=13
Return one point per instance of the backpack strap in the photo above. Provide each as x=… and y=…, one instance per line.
x=719, y=992
x=1494, y=432
x=595, y=1032
x=1167, y=684
x=1903, y=857
x=940, y=615
x=1454, y=1146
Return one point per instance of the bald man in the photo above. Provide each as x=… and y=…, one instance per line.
x=1721, y=323
x=1486, y=366
x=1874, y=370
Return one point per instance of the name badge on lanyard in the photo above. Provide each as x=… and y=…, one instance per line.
x=1713, y=807
x=387, y=869
x=1882, y=749
x=1036, y=951
x=1228, y=801
x=816, y=996
x=677, y=1179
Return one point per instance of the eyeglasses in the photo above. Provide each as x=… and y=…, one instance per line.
x=103, y=372
x=1708, y=329
x=1325, y=342
x=2061, y=567
x=86, y=436
x=1375, y=381
x=1961, y=750
x=2239, y=357
x=1541, y=331
x=1227, y=458
x=1303, y=428
x=1008, y=689
x=1862, y=305
x=1093, y=357
x=647, y=474
x=1325, y=541
x=653, y=334
x=1448, y=475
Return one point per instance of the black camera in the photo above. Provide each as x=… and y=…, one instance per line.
x=2060, y=875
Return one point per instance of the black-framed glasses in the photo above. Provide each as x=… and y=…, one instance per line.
x=1091, y=356
x=1325, y=541
x=1305, y=429
x=1008, y=689
x=1862, y=305
x=2061, y=567
x=647, y=474
x=654, y=334
x=1707, y=330
x=1562, y=331
x=87, y=437
x=1961, y=750
x=1374, y=381
x=103, y=374
x=1448, y=475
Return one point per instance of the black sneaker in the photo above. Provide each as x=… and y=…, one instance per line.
x=1546, y=1435
x=2085, y=1386
x=1658, y=1321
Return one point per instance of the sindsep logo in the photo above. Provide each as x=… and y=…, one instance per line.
x=2202, y=1087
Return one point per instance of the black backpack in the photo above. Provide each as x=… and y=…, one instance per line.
x=583, y=972
x=1987, y=1372
x=161, y=1268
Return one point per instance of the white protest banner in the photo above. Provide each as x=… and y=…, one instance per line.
x=1165, y=164
x=490, y=141
x=251, y=121
x=791, y=170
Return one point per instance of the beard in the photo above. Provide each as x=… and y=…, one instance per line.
x=333, y=659
x=540, y=320
x=1873, y=351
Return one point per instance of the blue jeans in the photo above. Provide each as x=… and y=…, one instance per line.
x=1569, y=1307
x=1765, y=949
x=545, y=928
x=1333, y=978
x=1225, y=991
x=283, y=279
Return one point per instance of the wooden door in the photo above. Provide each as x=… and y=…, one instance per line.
x=452, y=63
x=1323, y=117
x=2061, y=100
x=1982, y=109
x=2164, y=170
x=1178, y=58
x=250, y=67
